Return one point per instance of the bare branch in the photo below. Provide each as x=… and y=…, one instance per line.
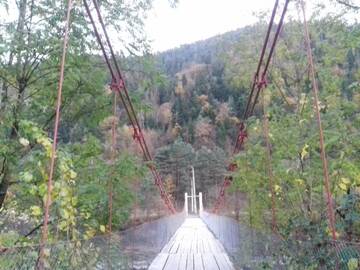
x=348, y=4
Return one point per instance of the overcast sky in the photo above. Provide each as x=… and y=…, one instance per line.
x=190, y=20
x=194, y=20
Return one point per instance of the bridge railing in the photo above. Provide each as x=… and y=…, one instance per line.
x=321, y=254
x=145, y=241
x=134, y=248
x=252, y=249
x=247, y=247
x=98, y=253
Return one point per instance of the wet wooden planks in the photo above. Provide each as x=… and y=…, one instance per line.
x=193, y=247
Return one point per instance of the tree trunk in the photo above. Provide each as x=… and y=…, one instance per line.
x=20, y=39
x=18, y=45
x=5, y=87
x=5, y=182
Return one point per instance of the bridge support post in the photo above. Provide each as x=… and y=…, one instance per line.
x=194, y=207
x=192, y=199
x=186, y=204
x=201, y=208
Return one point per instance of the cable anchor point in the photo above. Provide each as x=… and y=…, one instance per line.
x=117, y=85
x=263, y=83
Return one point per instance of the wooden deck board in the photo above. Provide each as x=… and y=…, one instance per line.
x=159, y=261
x=210, y=262
x=198, y=262
x=193, y=247
x=183, y=261
x=223, y=261
x=190, y=262
x=173, y=262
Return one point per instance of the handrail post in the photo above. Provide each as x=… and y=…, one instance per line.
x=186, y=204
x=201, y=208
x=194, y=190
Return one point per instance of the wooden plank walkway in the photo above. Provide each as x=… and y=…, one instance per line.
x=193, y=247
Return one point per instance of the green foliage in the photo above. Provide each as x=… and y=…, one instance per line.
x=92, y=186
x=33, y=180
x=204, y=87
x=174, y=162
x=295, y=154
x=30, y=54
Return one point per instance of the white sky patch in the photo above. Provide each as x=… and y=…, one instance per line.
x=194, y=20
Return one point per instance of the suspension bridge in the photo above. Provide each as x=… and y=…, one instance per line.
x=193, y=238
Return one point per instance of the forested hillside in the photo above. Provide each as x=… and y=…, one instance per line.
x=190, y=102
x=201, y=105
x=202, y=96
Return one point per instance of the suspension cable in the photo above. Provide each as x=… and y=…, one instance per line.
x=263, y=50
x=259, y=84
x=120, y=77
x=262, y=83
x=44, y=236
x=118, y=85
x=330, y=206
x=241, y=134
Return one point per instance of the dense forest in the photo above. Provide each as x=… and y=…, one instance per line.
x=190, y=102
